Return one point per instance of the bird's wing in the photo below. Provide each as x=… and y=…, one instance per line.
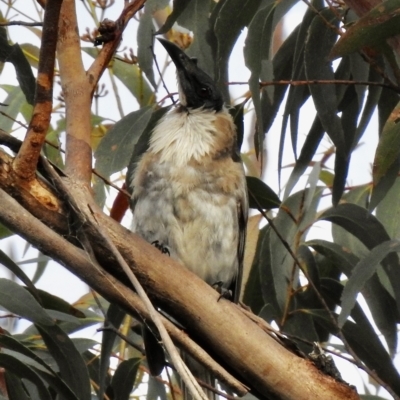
x=242, y=210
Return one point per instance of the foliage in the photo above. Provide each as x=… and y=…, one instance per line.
x=310, y=288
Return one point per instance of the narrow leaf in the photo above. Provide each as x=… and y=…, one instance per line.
x=362, y=272
x=116, y=147
x=72, y=367
x=16, y=299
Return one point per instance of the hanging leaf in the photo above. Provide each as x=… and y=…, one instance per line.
x=371, y=30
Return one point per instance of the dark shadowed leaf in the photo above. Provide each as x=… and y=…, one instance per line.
x=320, y=39
x=124, y=378
x=113, y=320
x=72, y=367
x=361, y=273
x=292, y=222
x=260, y=288
x=224, y=30
x=19, y=301
x=362, y=338
x=14, y=54
x=261, y=195
x=115, y=149
x=142, y=143
x=20, y=369
x=371, y=30
x=364, y=226
x=17, y=271
x=49, y=375
x=15, y=388
x=380, y=302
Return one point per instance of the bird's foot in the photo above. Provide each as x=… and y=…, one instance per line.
x=161, y=247
x=223, y=293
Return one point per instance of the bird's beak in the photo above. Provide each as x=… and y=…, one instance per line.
x=182, y=62
x=196, y=88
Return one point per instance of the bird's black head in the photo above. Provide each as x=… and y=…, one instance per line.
x=197, y=89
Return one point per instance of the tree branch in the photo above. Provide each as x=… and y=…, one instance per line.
x=26, y=161
x=115, y=31
x=218, y=326
x=77, y=96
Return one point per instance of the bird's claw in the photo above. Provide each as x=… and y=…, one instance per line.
x=161, y=247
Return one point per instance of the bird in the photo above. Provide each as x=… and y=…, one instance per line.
x=189, y=195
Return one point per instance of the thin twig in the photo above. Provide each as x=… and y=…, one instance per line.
x=22, y=23
x=161, y=76
x=322, y=82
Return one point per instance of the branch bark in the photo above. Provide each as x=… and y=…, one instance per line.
x=26, y=161
x=220, y=327
x=77, y=96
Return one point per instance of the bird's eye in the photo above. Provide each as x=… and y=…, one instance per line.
x=204, y=91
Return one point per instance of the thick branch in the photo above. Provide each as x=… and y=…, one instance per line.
x=77, y=96
x=26, y=161
x=219, y=326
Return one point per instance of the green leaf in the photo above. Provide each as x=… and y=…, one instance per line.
x=224, y=31
x=15, y=101
x=113, y=319
x=371, y=30
x=72, y=367
x=256, y=55
x=388, y=150
x=260, y=194
x=116, y=147
x=362, y=272
x=362, y=338
x=292, y=222
x=310, y=146
x=52, y=377
x=145, y=40
x=14, y=54
x=22, y=370
x=15, y=388
x=177, y=9
x=260, y=290
x=380, y=302
x=17, y=300
x=124, y=378
x=31, y=53
x=365, y=227
x=5, y=232
x=388, y=210
x=142, y=143
x=320, y=39
x=195, y=17
x=131, y=76
x=17, y=271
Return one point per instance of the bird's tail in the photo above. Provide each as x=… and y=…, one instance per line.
x=201, y=373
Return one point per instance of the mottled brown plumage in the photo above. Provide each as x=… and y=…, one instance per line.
x=189, y=188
